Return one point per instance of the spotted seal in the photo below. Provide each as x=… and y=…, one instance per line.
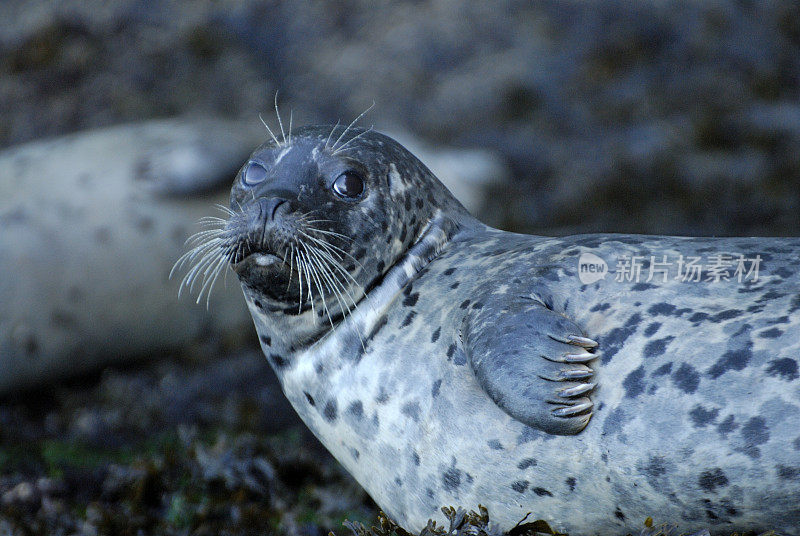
x=586, y=380
x=90, y=225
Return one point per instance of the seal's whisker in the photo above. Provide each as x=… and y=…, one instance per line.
x=278, y=114
x=291, y=112
x=338, y=266
x=200, y=269
x=224, y=209
x=202, y=236
x=210, y=279
x=269, y=130
x=193, y=253
x=330, y=233
x=327, y=141
x=333, y=249
x=337, y=287
x=305, y=266
x=348, y=142
x=362, y=114
x=291, y=267
x=329, y=262
x=212, y=219
x=318, y=275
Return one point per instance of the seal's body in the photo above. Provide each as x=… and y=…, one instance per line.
x=443, y=362
x=90, y=225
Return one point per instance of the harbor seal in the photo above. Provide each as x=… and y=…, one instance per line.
x=90, y=225
x=590, y=381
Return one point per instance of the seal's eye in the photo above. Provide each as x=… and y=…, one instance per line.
x=348, y=185
x=254, y=173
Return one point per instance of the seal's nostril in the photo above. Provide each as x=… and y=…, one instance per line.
x=268, y=207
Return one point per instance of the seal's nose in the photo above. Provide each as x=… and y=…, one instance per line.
x=268, y=207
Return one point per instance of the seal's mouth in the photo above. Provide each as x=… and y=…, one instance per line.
x=260, y=258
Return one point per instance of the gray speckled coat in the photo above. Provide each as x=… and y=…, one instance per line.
x=442, y=388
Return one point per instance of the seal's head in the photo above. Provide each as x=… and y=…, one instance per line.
x=317, y=220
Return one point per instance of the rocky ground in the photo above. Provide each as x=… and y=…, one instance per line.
x=185, y=446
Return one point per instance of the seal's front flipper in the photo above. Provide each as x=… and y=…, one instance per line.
x=533, y=362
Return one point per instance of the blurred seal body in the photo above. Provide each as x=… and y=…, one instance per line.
x=90, y=226
x=444, y=362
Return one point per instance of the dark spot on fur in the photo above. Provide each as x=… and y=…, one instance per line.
x=258, y=305
x=477, y=305
x=527, y=462
x=771, y=333
x=655, y=467
x=727, y=315
x=520, y=486
x=616, y=338
x=785, y=367
x=642, y=286
x=494, y=444
x=329, y=412
x=633, y=384
x=657, y=347
x=614, y=421
x=686, y=378
x=310, y=399
x=102, y=235
x=449, y=271
x=437, y=385
x=415, y=459
x=464, y=304
x=731, y=360
x=354, y=453
x=356, y=409
x=541, y=492
x=62, y=319
x=698, y=317
x=451, y=479
x=652, y=328
x=727, y=426
x=450, y=350
x=266, y=340
x=571, y=482
x=380, y=266
x=411, y=410
x=600, y=307
x=383, y=396
x=455, y=285
x=713, y=479
x=661, y=309
x=277, y=360
x=788, y=473
x=75, y=294
x=702, y=417
x=435, y=336
x=619, y=515
x=754, y=432
x=408, y=319
x=663, y=370
x=411, y=300
x=145, y=224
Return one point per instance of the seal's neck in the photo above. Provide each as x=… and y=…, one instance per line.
x=290, y=334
